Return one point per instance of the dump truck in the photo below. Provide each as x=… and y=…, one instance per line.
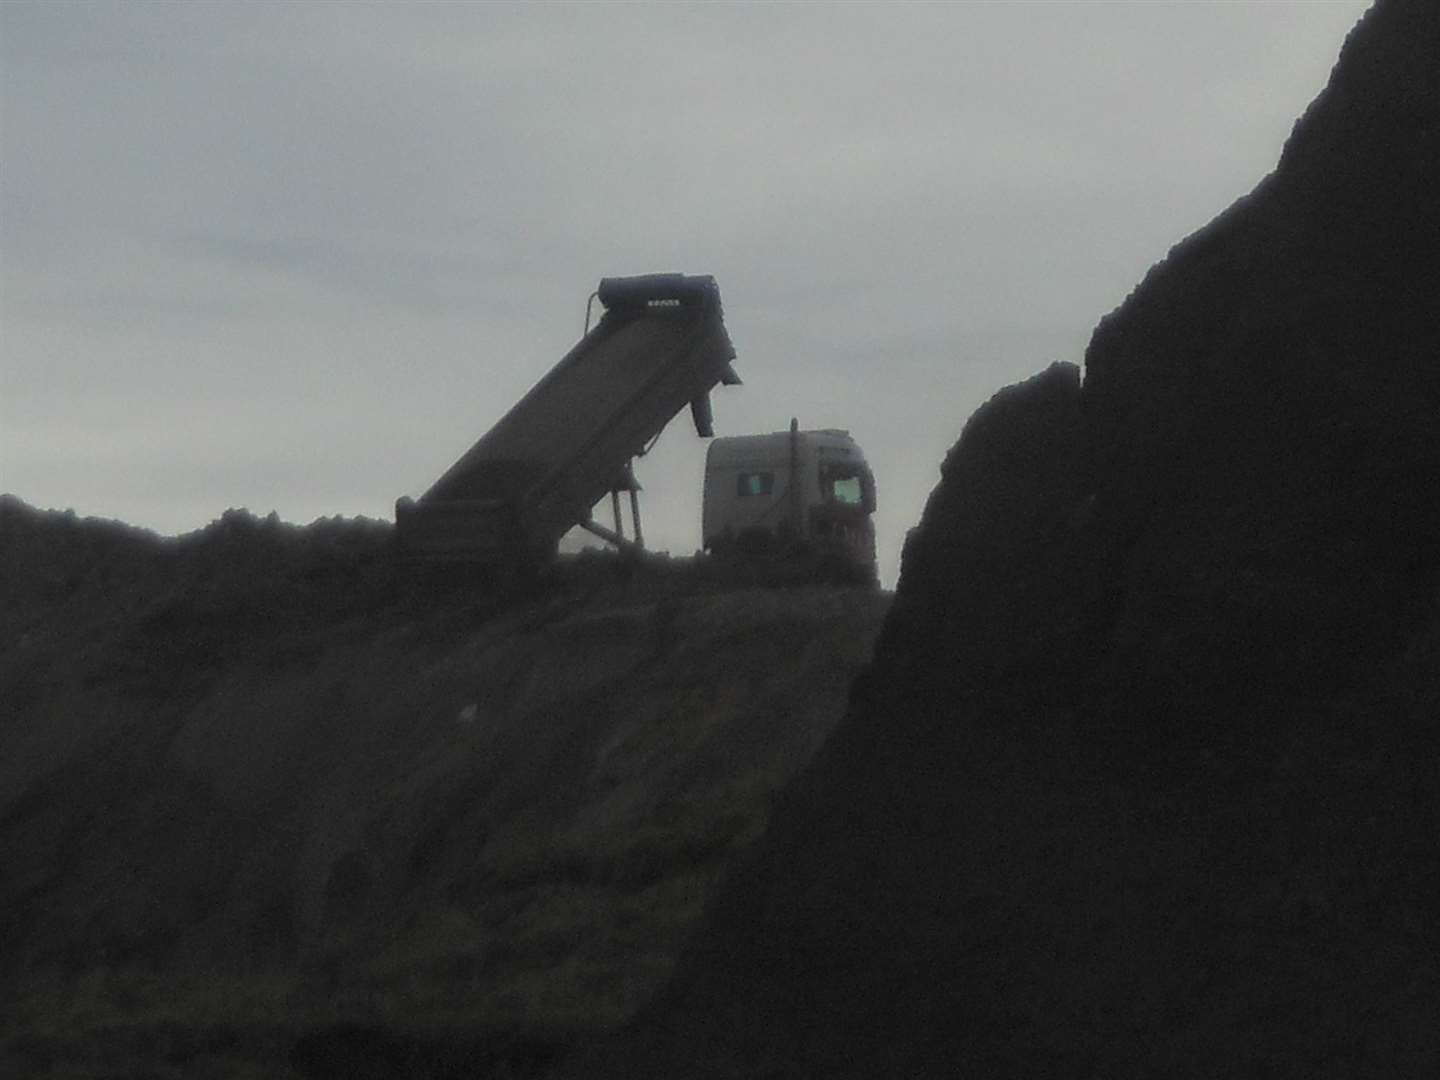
x=802, y=498
x=660, y=345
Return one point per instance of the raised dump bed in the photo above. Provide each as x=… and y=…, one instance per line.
x=661, y=345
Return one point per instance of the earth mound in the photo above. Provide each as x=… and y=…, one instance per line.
x=270, y=806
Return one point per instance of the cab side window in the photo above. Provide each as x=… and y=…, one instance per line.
x=755, y=483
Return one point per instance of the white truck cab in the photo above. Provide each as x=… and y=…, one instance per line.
x=811, y=489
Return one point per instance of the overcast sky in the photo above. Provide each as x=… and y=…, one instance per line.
x=300, y=256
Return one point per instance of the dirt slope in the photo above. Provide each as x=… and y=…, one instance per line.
x=261, y=805
x=1143, y=780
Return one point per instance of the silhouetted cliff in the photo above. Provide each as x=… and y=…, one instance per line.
x=1145, y=777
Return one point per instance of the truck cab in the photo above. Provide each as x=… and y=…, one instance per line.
x=809, y=491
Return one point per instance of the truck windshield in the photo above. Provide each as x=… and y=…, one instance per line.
x=843, y=489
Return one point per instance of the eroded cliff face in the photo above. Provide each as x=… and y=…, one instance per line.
x=1145, y=777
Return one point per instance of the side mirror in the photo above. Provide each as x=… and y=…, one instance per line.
x=867, y=491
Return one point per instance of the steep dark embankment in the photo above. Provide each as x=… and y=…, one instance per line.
x=1145, y=779
x=253, y=787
